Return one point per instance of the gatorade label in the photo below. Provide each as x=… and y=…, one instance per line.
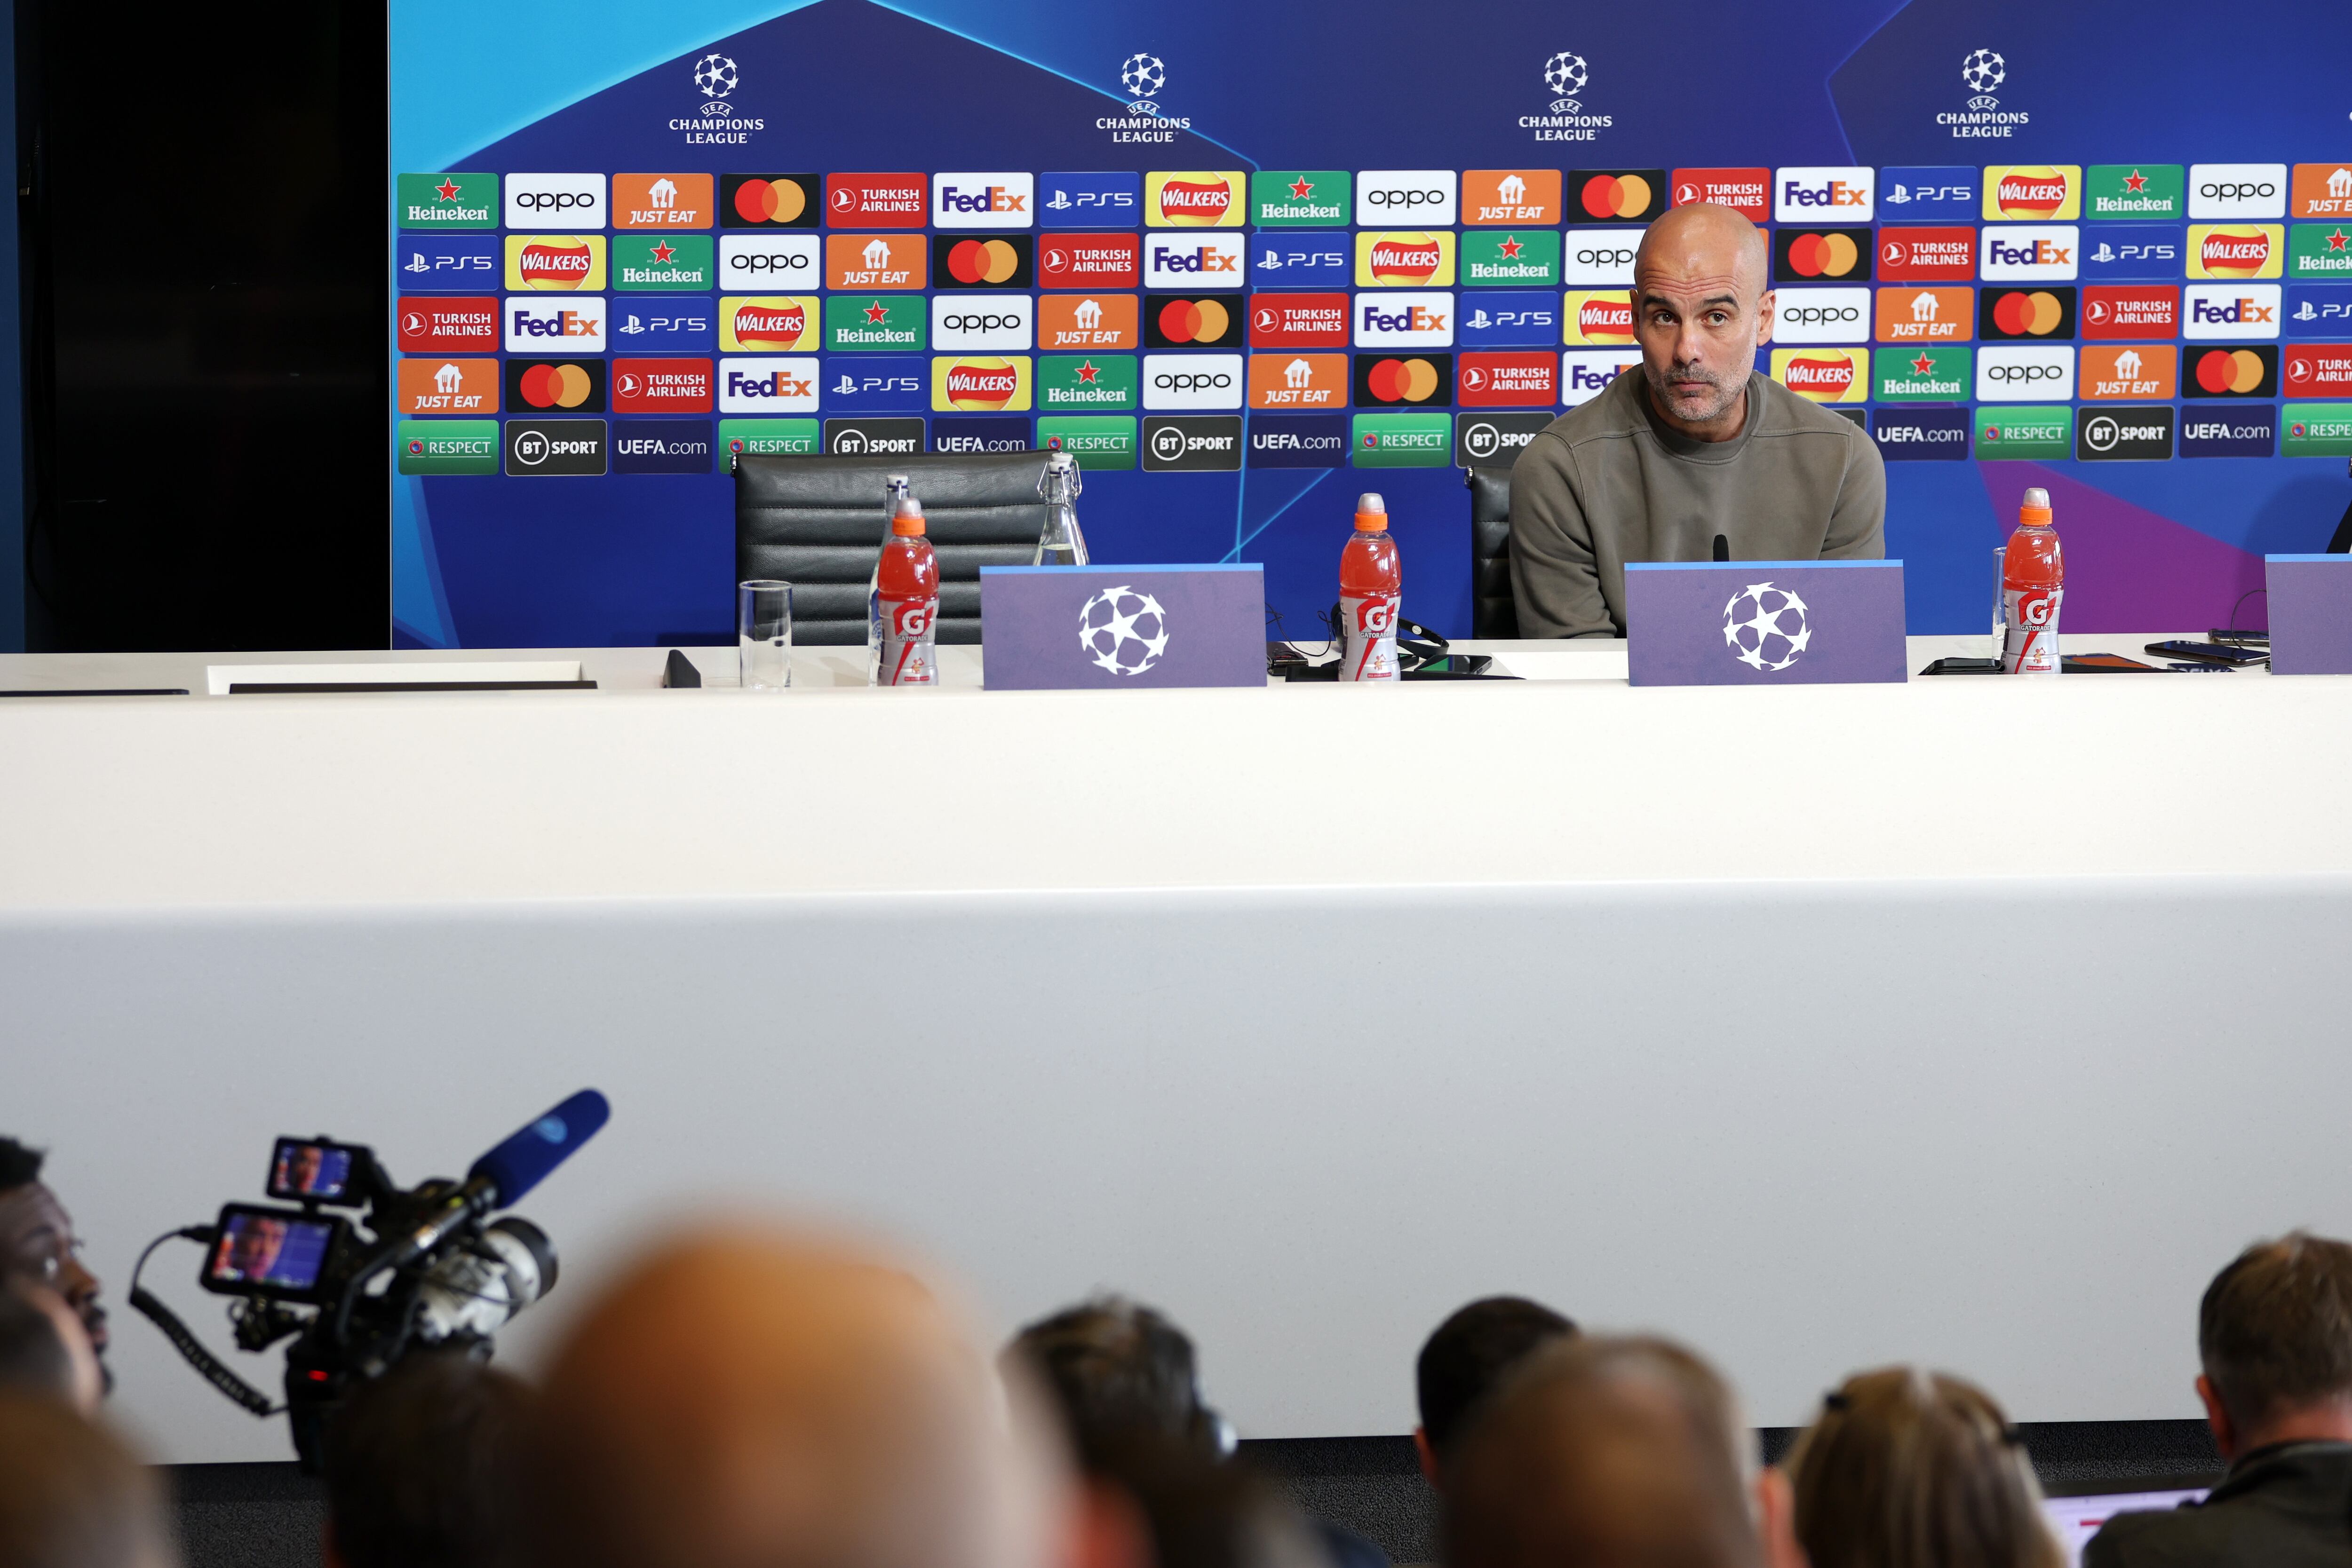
x=1371, y=653
x=2031, y=647
x=910, y=657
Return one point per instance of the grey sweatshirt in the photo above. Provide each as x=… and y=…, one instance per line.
x=1606, y=484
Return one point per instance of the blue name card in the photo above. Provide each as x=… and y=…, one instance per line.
x=1060, y=628
x=1764, y=623
x=2311, y=613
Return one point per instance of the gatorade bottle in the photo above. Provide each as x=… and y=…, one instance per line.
x=907, y=589
x=2033, y=575
x=1372, y=582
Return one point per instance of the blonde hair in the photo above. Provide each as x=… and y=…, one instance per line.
x=1906, y=1469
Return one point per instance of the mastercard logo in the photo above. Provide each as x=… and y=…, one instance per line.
x=1401, y=381
x=1615, y=196
x=2237, y=251
x=772, y=201
x=1406, y=260
x=2220, y=370
x=983, y=261
x=1822, y=255
x=1193, y=321
x=2034, y=315
x=2031, y=194
x=554, y=265
x=979, y=385
x=555, y=386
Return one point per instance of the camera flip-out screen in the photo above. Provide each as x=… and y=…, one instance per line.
x=270, y=1252
x=309, y=1170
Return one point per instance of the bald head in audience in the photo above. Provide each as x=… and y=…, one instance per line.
x=758, y=1398
x=1616, y=1453
x=71, y=1495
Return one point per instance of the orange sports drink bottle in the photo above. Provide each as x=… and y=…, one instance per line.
x=2032, y=581
x=907, y=590
x=1371, y=585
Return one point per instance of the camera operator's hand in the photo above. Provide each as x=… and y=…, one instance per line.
x=38, y=1241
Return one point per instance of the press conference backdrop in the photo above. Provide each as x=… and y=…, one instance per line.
x=1248, y=260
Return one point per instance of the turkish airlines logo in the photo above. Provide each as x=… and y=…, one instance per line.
x=1510, y=379
x=651, y=386
x=1088, y=261
x=875, y=200
x=435, y=326
x=1298, y=320
x=1928, y=254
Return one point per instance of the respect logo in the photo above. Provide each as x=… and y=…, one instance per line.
x=2032, y=193
x=1597, y=318
x=555, y=262
x=1408, y=260
x=981, y=384
x=1824, y=375
x=2236, y=250
x=1195, y=199
x=767, y=324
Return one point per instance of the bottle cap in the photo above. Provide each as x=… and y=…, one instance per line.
x=2034, y=512
x=1372, y=512
x=907, y=520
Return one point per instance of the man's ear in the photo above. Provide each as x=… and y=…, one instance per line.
x=1776, y=1520
x=1764, y=318
x=1427, y=1455
x=2217, y=1417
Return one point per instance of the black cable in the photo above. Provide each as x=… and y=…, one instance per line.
x=2242, y=600
x=211, y=1366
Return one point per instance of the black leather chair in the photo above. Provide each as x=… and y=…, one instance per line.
x=817, y=523
x=1492, y=612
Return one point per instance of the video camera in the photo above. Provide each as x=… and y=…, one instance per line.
x=363, y=1271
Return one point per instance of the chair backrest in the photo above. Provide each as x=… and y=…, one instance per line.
x=1492, y=612
x=817, y=523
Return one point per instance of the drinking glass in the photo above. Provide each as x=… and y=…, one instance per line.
x=763, y=630
x=1999, y=600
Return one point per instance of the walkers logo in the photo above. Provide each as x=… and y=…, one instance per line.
x=2135, y=435
x=1089, y=261
x=671, y=262
x=1495, y=439
x=1196, y=198
x=2226, y=191
x=2315, y=430
x=1299, y=381
x=876, y=201
x=662, y=200
x=981, y=433
x=2321, y=250
x=1617, y=196
x=1098, y=444
x=1419, y=197
x=2318, y=191
x=1005, y=323
x=2030, y=255
x=873, y=437
x=568, y=386
x=750, y=264
x=874, y=383
x=436, y=386
x=1518, y=197
x=1300, y=198
x=1000, y=263
x=1597, y=318
x=1192, y=320
x=2231, y=310
x=2240, y=433
x=769, y=438
x=1403, y=320
x=661, y=386
x=2133, y=191
x=447, y=200
x=1566, y=75
x=445, y=263
x=2019, y=372
x=1916, y=434
x=1097, y=383
x=2317, y=310
x=1926, y=315
x=966, y=201
x=1822, y=195
x=969, y=383
x=1173, y=444
x=1981, y=70
x=566, y=325
x=1510, y=258
x=670, y=326
x=2027, y=313
x=2025, y=434
x=1598, y=257
x=1821, y=316
x=1508, y=381
x=1928, y=192
x=565, y=263
x=1298, y=441
x=2233, y=372
x=1824, y=375
x=1203, y=261
x=2137, y=371
x=2318, y=370
x=662, y=446
x=2131, y=311
x=1920, y=375
x=1298, y=322
x=448, y=445
x=1510, y=320
x=767, y=386
x=1089, y=321
x=1383, y=380
x=2236, y=250
x=1296, y=260
x=867, y=323
x=2148, y=251
x=555, y=448
x=1927, y=256
x=1747, y=192
x=1192, y=381
x=860, y=261
x=1585, y=375
x=1404, y=260
x=439, y=326
x=555, y=200
x=1821, y=256
x=1108, y=197
x=768, y=323
x=2032, y=193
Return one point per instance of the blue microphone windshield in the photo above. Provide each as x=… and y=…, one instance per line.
x=521, y=1163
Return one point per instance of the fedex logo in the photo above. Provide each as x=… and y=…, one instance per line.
x=2230, y=311
x=767, y=386
x=1399, y=319
x=538, y=326
x=983, y=202
x=1585, y=375
x=1192, y=260
x=1841, y=195
x=2027, y=253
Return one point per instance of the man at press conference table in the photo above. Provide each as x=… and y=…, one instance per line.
x=1698, y=443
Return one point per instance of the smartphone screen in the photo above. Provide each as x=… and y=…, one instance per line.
x=304, y=1168
x=269, y=1251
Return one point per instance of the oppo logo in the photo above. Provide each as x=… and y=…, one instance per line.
x=765, y=261
x=2237, y=193
x=981, y=323
x=1404, y=200
x=1820, y=315
x=2006, y=372
x=1210, y=381
x=554, y=200
x=1623, y=256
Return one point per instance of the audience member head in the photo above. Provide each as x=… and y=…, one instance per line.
x=43, y=1348
x=758, y=1398
x=1613, y=1452
x=2275, y=1333
x=38, y=1242
x=423, y=1466
x=1908, y=1468
x=1117, y=1370
x=1463, y=1361
x=1189, y=1511
x=71, y=1495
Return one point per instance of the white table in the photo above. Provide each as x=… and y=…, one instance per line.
x=1974, y=1020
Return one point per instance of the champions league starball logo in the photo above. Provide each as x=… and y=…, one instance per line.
x=1565, y=74
x=1984, y=70
x=714, y=78
x=1143, y=76
x=1123, y=630
x=1765, y=627
x=715, y=120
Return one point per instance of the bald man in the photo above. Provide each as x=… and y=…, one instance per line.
x=1698, y=443
x=762, y=1399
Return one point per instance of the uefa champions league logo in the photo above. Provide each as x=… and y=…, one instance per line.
x=1565, y=74
x=715, y=78
x=1765, y=627
x=1123, y=630
x=1143, y=76
x=1984, y=70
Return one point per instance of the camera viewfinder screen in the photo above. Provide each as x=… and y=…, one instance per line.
x=319, y=1171
x=277, y=1251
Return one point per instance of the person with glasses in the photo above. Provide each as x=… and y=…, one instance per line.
x=37, y=1243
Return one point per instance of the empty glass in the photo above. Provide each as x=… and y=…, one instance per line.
x=1999, y=600
x=763, y=631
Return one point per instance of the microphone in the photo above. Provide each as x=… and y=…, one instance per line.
x=524, y=1159
x=1722, y=548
